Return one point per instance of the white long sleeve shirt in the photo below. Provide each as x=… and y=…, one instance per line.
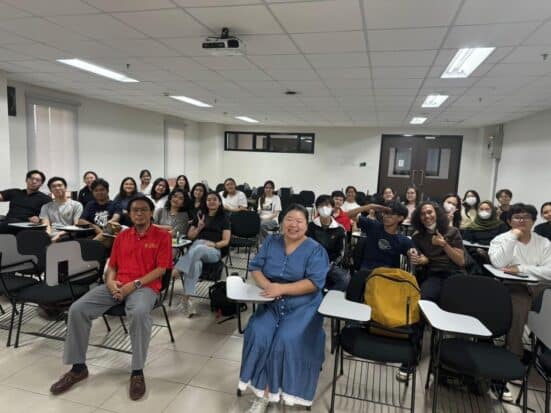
x=533, y=258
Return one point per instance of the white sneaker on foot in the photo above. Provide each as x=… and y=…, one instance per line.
x=191, y=310
x=507, y=396
x=260, y=405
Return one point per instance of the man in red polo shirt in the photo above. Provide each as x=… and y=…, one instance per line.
x=338, y=213
x=139, y=258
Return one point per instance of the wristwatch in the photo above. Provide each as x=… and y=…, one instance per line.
x=138, y=284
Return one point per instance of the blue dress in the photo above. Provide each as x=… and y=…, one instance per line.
x=284, y=340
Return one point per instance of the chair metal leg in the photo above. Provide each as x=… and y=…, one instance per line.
x=436, y=373
x=525, y=394
x=342, y=361
x=334, y=384
x=171, y=292
x=12, y=319
x=413, y=377
x=168, y=323
x=19, y=325
x=123, y=324
x=2, y=310
x=106, y=323
x=547, y=394
x=238, y=312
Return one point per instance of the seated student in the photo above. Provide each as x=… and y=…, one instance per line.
x=61, y=211
x=140, y=257
x=233, y=199
x=521, y=251
x=283, y=347
x=327, y=231
x=101, y=211
x=183, y=184
x=411, y=201
x=198, y=201
x=350, y=201
x=127, y=191
x=145, y=182
x=339, y=214
x=452, y=205
x=159, y=192
x=486, y=226
x=544, y=229
x=211, y=235
x=85, y=193
x=438, y=248
x=384, y=244
x=25, y=204
x=269, y=207
x=470, y=208
x=386, y=196
x=504, y=197
x=173, y=216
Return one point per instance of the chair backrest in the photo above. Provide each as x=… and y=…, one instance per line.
x=11, y=255
x=297, y=199
x=70, y=252
x=93, y=250
x=165, y=280
x=484, y=298
x=361, y=198
x=539, y=318
x=34, y=242
x=309, y=197
x=219, y=187
x=245, y=224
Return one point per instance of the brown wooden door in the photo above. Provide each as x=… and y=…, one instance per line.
x=429, y=163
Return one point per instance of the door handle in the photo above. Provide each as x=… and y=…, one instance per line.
x=422, y=177
x=413, y=174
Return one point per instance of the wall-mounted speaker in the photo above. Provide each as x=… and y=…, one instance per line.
x=12, y=107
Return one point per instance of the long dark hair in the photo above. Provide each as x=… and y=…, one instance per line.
x=154, y=193
x=145, y=171
x=203, y=201
x=456, y=221
x=122, y=194
x=186, y=186
x=417, y=200
x=467, y=206
x=176, y=191
x=220, y=211
x=442, y=222
x=224, y=192
x=263, y=196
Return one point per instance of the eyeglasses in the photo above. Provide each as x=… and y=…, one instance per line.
x=521, y=218
x=139, y=210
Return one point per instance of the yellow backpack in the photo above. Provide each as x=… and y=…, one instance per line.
x=393, y=295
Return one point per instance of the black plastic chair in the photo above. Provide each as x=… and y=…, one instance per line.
x=361, y=198
x=309, y=197
x=33, y=242
x=219, y=188
x=245, y=226
x=489, y=302
x=120, y=311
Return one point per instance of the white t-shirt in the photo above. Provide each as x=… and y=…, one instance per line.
x=234, y=201
x=271, y=205
x=159, y=203
x=348, y=206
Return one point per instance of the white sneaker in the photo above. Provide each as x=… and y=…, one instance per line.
x=260, y=405
x=191, y=310
x=403, y=375
x=507, y=395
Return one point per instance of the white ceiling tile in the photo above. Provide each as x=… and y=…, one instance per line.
x=251, y=75
x=274, y=44
x=541, y=37
x=406, y=39
x=188, y=46
x=8, y=55
x=97, y=26
x=43, y=66
x=130, y=5
x=292, y=74
x=452, y=83
x=52, y=7
x=397, y=72
x=142, y=47
x=226, y=62
x=174, y=64
x=204, y=3
x=397, y=83
x=38, y=29
x=293, y=61
x=10, y=38
x=164, y=23
x=327, y=16
x=410, y=58
x=36, y=50
x=521, y=69
x=487, y=35
x=244, y=19
x=345, y=73
x=338, y=42
x=383, y=14
x=9, y=12
x=361, y=91
x=334, y=60
x=395, y=92
x=503, y=11
x=528, y=54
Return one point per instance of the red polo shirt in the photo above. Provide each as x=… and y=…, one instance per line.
x=134, y=255
x=343, y=219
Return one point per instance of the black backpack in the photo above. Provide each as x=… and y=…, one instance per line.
x=219, y=302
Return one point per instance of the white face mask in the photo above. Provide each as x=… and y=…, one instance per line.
x=484, y=214
x=325, y=211
x=431, y=227
x=449, y=208
x=470, y=200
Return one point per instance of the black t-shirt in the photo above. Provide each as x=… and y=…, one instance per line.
x=24, y=205
x=214, y=227
x=85, y=196
x=332, y=239
x=99, y=214
x=544, y=229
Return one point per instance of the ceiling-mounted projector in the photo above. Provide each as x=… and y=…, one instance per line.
x=225, y=45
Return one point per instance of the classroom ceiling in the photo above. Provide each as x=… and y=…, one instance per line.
x=351, y=62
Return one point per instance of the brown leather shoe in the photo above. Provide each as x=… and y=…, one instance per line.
x=67, y=381
x=137, y=387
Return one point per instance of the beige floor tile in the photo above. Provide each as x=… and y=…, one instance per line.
x=13, y=360
x=158, y=395
x=231, y=350
x=220, y=375
x=20, y=401
x=193, y=341
x=175, y=366
x=197, y=399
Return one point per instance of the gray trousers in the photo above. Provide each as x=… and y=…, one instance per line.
x=92, y=305
x=265, y=227
x=191, y=264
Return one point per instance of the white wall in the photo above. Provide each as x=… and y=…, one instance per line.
x=335, y=163
x=4, y=139
x=524, y=165
x=113, y=140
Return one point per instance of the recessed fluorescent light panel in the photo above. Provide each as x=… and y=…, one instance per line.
x=418, y=120
x=246, y=119
x=466, y=61
x=192, y=101
x=434, y=101
x=98, y=70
